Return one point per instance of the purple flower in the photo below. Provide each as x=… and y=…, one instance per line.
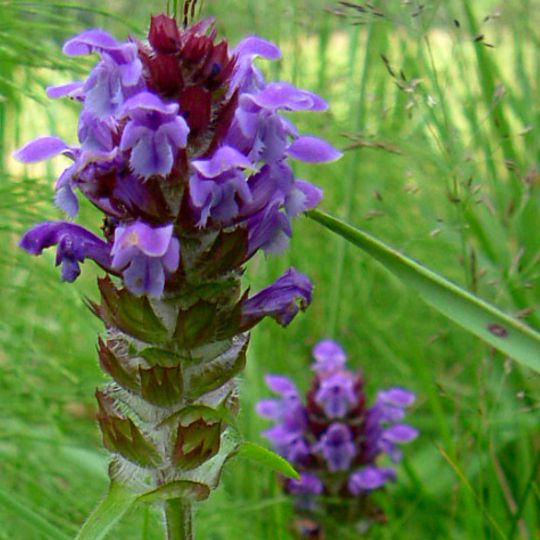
x=282, y=300
x=74, y=245
x=154, y=134
x=337, y=447
x=219, y=186
x=116, y=78
x=246, y=76
x=369, y=478
x=336, y=394
x=329, y=356
x=144, y=255
x=391, y=404
x=335, y=439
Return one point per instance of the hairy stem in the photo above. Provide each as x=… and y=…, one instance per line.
x=178, y=519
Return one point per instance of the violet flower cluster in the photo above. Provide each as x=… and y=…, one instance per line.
x=335, y=440
x=184, y=149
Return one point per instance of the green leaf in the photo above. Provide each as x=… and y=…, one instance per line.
x=506, y=334
x=267, y=458
x=117, y=502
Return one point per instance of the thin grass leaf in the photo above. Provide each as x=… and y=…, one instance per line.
x=499, y=330
x=477, y=498
x=30, y=517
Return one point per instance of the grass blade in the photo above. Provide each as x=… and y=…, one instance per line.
x=38, y=522
x=499, y=330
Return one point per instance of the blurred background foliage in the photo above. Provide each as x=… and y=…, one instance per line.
x=436, y=104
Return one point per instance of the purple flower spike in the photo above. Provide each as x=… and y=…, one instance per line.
x=336, y=394
x=182, y=147
x=329, y=356
x=337, y=447
x=282, y=300
x=335, y=439
x=74, y=244
x=154, y=134
x=145, y=255
x=370, y=478
x=39, y=149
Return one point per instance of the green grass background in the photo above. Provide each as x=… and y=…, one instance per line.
x=442, y=161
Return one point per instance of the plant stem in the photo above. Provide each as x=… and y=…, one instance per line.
x=178, y=519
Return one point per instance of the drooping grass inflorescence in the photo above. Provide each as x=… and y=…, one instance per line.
x=335, y=440
x=184, y=150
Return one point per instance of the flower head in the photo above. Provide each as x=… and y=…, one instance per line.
x=338, y=443
x=180, y=136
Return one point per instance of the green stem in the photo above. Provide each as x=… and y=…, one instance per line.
x=178, y=519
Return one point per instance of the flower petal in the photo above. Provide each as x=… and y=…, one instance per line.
x=370, y=478
x=313, y=150
x=89, y=41
x=74, y=244
x=329, y=356
x=224, y=159
x=39, y=149
x=72, y=89
x=256, y=46
x=400, y=434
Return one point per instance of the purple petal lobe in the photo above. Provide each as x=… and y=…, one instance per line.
x=280, y=385
x=89, y=41
x=224, y=159
x=329, y=356
x=269, y=408
x=370, y=478
x=398, y=397
x=39, y=149
x=72, y=89
x=256, y=46
x=66, y=200
x=147, y=101
x=282, y=95
x=313, y=150
x=400, y=434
